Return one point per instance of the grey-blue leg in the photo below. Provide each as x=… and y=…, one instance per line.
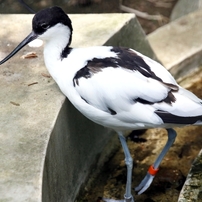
x=129, y=163
x=149, y=177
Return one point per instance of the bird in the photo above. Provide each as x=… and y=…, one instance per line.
x=116, y=87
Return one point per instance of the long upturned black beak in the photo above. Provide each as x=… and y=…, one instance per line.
x=28, y=39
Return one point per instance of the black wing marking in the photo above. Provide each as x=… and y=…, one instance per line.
x=128, y=59
x=174, y=119
x=169, y=99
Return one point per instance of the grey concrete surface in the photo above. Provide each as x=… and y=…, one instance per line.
x=47, y=148
x=178, y=45
x=184, y=7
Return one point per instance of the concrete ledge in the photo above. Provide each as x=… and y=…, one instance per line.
x=47, y=148
x=184, y=7
x=178, y=45
x=110, y=29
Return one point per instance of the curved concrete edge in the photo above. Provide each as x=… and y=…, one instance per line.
x=43, y=156
x=75, y=146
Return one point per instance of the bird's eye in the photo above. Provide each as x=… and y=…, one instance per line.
x=44, y=25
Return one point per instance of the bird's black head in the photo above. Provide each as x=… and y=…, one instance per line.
x=49, y=17
x=42, y=21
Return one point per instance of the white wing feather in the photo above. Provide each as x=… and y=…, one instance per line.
x=115, y=89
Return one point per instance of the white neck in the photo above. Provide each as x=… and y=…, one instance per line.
x=54, y=46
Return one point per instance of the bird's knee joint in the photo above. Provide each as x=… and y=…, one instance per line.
x=129, y=161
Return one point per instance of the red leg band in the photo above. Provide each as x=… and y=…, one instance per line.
x=152, y=170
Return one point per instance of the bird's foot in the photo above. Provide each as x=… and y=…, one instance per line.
x=146, y=182
x=129, y=199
